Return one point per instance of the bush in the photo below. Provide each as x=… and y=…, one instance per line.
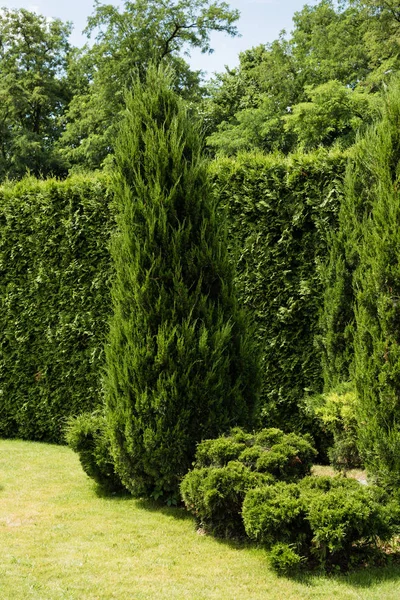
x=336, y=411
x=86, y=435
x=215, y=496
x=286, y=457
x=277, y=513
x=323, y=520
x=218, y=452
x=225, y=468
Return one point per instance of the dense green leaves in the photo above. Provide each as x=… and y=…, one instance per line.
x=181, y=361
x=364, y=291
x=54, y=302
x=33, y=92
x=280, y=212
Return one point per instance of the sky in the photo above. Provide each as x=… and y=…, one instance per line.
x=260, y=22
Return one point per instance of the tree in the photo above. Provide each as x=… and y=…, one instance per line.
x=125, y=43
x=366, y=292
x=33, y=92
x=181, y=364
x=333, y=113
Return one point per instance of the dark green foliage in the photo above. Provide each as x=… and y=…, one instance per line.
x=363, y=343
x=86, y=434
x=280, y=213
x=277, y=513
x=215, y=496
x=54, y=302
x=181, y=362
x=288, y=460
x=285, y=456
x=225, y=469
x=324, y=520
x=218, y=453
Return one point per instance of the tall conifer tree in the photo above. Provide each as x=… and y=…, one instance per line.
x=363, y=338
x=181, y=364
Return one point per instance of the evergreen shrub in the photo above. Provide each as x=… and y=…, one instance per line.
x=87, y=435
x=336, y=412
x=181, y=361
x=214, y=495
x=281, y=211
x=54, y=302
x=225, y=469
x=324, y=521
x=285, y=456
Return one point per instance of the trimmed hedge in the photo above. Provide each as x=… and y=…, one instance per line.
x=54, y=302
x=54, y=285
x=280, y=212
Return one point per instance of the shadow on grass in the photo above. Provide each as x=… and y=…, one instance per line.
x=174, y=512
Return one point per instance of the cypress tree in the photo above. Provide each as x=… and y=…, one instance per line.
x=368, y=285
x=180, y=361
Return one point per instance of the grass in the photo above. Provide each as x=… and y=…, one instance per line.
x=61, y=540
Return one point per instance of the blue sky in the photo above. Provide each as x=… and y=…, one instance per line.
x=260, y=22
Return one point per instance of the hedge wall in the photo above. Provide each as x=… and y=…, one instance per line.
x=54, y=302
x=55, y=270
x=280, y=213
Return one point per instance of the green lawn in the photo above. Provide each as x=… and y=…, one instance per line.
x=59, y=539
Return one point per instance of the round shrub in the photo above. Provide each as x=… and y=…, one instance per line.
x=288, y=460
x=215, y=496
x=269, y=437
x=343, y=517
x=86, y=435
x=218, y=452
x=276, y=513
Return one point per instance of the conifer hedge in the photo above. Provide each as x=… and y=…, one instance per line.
x=281, y=212
x=54, y=302
x=55, y=295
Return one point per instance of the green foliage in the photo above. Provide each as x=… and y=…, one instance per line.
x=289, y=460
x=86, y=434
x=218, y=453
x=285, y=456
x=181, y=361
x=284, y=559
x=225, y=469
x=324, y=520
x=34, y=92
x=333, y=113
x=364, y=343
x=127, y=40
x=315, y=87
x=336, y=411
x=215, y=495
x=54, y=302
x=280, y=214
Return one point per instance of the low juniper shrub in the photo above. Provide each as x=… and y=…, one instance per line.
x=214, y=495
x=86, y=434
x=285, y=456
x=326, y=521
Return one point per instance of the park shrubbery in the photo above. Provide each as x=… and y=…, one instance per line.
x=235, y=489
